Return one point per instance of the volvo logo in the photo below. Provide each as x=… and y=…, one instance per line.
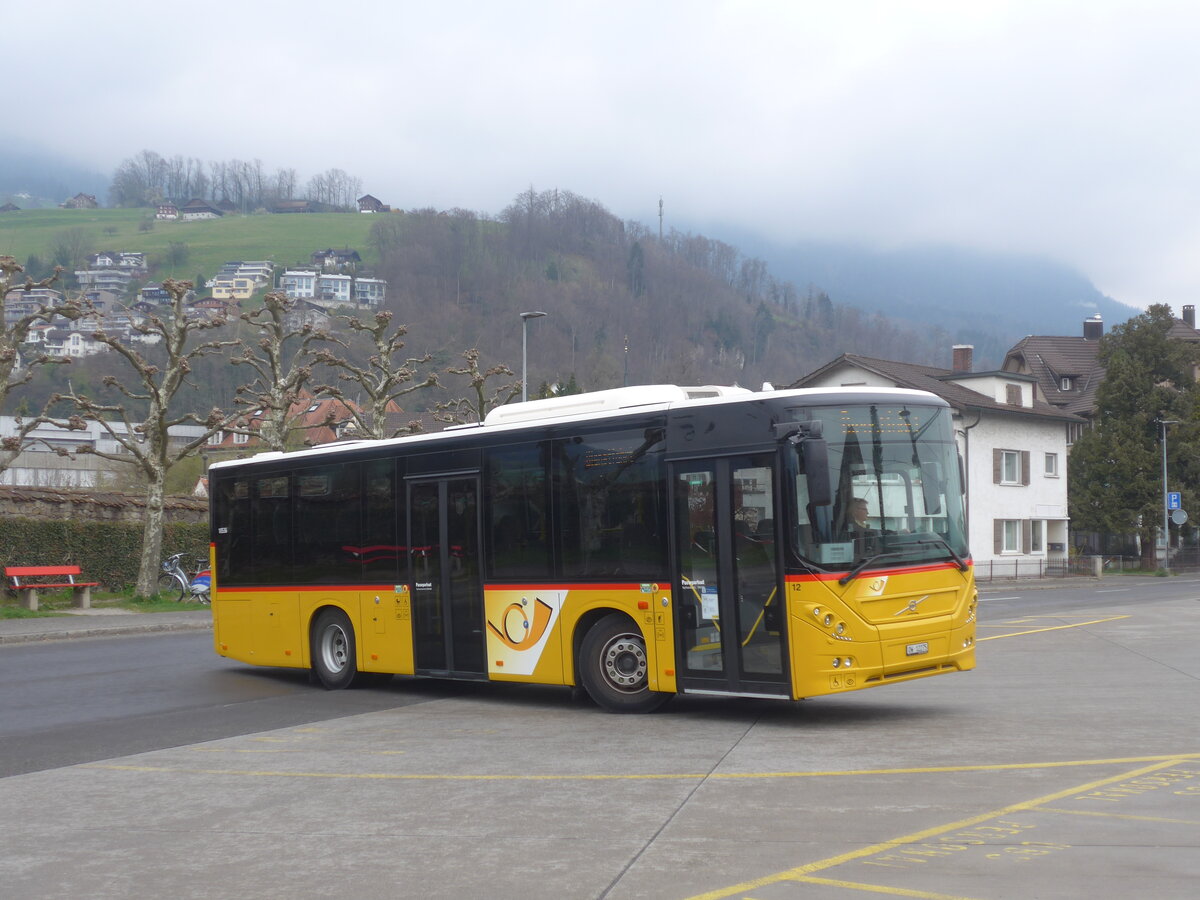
x=912, y=605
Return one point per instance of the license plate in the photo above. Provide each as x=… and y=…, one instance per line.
x=917, y=649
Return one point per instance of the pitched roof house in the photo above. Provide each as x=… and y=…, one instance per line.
x=1014, y=450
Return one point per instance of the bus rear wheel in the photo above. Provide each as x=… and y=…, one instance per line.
x=333, y=651
x=614, y=667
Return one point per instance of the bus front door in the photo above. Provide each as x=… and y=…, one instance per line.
x=729, y=606
x=444, y=583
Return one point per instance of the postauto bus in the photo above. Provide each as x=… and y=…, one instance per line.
x=638, y=542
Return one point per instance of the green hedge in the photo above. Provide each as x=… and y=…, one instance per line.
x=107, y=552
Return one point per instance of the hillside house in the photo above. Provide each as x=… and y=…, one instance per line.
x=19, y=302
x=80, y=201
x=1014, y=450
x=369, y=204
x=115, y=281
x=313, y=420
x=167, y=211
x=334, y=290
x=292, y=206
x=336, y=260
x=370, y=292
x=306, y=313
x=299, y=284
x=197, y=210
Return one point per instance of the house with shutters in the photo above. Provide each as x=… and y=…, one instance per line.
x=1013, y=445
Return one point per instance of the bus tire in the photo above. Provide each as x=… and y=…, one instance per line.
x=333, y=651
x=614, y=667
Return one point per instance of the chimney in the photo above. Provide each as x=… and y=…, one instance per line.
x=1189, y=315
x=962, y=357
x=1093, y=328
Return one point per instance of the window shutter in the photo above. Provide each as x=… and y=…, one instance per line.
x=1026, y=536
x=998, y=535
x=1024, y=467
x=997, y=462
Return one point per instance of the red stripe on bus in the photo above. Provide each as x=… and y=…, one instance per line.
x=902, y=570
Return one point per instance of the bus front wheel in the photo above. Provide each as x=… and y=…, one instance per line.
x=333, y=653
x=614, y=667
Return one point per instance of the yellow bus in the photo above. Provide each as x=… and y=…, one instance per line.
x=638, y=543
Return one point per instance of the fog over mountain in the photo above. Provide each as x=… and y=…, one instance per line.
x=991, y=300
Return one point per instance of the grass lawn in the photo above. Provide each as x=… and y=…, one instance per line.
x=287, y=240
x=55, y=603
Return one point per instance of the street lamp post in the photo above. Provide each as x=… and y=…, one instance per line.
x=525, y=317
x=1163, y=423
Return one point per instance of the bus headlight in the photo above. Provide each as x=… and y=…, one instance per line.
x=836, y=662
x=828, y=619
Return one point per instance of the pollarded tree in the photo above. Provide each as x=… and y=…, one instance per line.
x=280, y=370
x=1116, y=466
x=28, y=309
x=480, y=402
x=147, y=445
x=380, y=382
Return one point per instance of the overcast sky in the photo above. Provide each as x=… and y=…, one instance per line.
x=1067, y=129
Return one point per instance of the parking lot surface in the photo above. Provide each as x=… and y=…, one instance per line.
x=1066, y=765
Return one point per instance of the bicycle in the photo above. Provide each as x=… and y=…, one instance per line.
x=175, y=581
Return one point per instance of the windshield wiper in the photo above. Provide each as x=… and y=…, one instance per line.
x=857, y=570
x=934, y=539
x=870, y=560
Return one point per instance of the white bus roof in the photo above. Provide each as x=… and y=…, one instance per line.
x=596, y=405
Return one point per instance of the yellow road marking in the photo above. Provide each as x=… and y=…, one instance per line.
x=841, y=859
x=878, y=888
x=662, y=776
x=1050, y=628
x=1091, y=812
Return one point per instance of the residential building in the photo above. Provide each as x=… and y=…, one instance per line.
x=292, y=206
x=167, y=211
x=19, y=302
x=226, y=287
x=335, y=259
x=306, y=313
x=369, y=204
x=197, y=209
x=1013, y=445
x=313, y=420
x=299, y=284
x=107, y=278
x=370, y=291
x=51, y=457
x=334, y=290
x=81, y=201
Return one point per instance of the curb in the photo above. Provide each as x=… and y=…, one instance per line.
x=95, y=631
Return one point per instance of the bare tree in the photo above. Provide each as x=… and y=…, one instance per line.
x=148, y=445
x=16, y=371
x=474, y=408
x=382, y=380
x=279, y=375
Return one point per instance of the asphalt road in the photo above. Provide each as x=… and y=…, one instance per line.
x=83, y=700
x=1066, y=765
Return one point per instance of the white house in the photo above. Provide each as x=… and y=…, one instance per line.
x=299, y=284
x=1014, y=450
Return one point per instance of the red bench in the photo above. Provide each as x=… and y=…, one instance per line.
x=19, y=575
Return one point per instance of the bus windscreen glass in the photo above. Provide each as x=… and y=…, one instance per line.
x=896, y=491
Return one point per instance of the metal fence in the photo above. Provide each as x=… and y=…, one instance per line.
x=1074, y=567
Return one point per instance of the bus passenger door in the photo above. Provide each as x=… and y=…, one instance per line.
x=729, y=606
x=444, y=582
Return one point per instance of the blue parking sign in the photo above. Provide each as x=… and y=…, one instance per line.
x=1173, y=500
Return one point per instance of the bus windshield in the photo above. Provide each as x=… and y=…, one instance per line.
x=896, y=491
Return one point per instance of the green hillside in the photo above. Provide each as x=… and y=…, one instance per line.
x=286, y=239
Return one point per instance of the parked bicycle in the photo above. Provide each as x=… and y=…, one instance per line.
x=175, y=581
